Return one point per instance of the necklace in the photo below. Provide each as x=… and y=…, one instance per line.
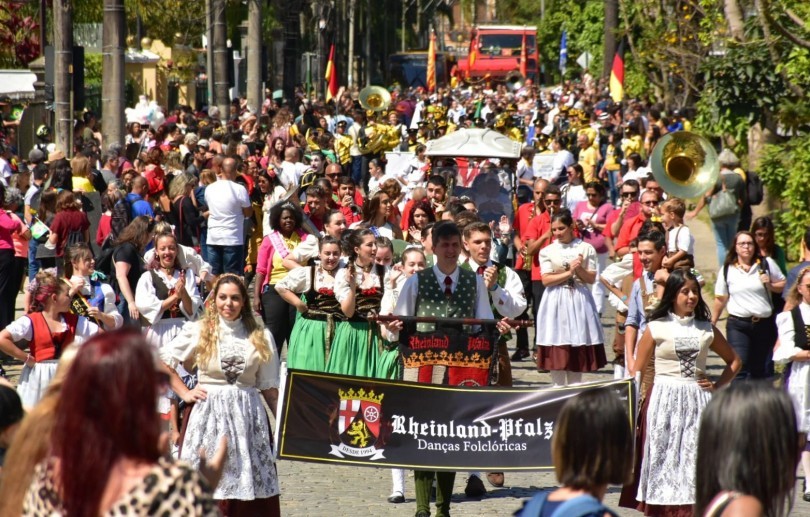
x=168, y=270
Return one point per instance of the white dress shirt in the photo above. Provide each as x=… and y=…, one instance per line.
x=509, y=299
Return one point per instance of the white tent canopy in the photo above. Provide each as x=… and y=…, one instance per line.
x=474, y=143
x=17, y=84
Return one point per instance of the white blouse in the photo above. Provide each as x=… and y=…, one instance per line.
x=787, y=335
x=554, y=257
x=298, y=279
x=22, y=329
x=233, y=343
x=109, y=299
x=342, y=288
x=747, y=295
x=149, y=305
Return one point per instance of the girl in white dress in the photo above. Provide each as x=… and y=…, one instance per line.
x=794, y=349
x=167, y=298
x=569, y=333
x=48, y=330
x=237, y=366
x=678, y=338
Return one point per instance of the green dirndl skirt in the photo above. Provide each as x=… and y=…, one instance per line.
x=353, y=351
x=307, y=345
x=388, y=366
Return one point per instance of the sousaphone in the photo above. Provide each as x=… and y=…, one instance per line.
x=684, y=164
x=374, y=98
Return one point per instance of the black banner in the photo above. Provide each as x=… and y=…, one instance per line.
x=378, y=423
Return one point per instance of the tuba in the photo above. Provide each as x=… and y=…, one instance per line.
x=514, y=80
x=374, y=98
x=684, y=164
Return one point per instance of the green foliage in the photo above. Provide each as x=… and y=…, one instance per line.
x=92, y=70
x=784, y=169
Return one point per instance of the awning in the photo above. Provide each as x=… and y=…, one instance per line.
x=474, y=143
x=17, y=84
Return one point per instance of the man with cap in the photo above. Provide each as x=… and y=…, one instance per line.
x=198, y=158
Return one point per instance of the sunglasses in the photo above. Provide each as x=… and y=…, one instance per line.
x=334, y=175
x=553, y=201
x=650, y=203
x=630, y=194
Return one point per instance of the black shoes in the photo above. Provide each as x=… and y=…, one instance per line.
x=475, y=487
x=396, y=498
x=520, y=354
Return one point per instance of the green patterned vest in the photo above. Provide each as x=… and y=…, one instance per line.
x=432, y=301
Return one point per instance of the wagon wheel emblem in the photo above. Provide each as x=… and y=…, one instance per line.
x=371, y=414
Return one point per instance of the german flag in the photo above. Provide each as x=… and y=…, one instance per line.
x=431, y=64
x=331, y=76
x=617, y=74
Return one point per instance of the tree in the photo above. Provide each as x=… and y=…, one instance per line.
x=112, y=88
x=19, y=35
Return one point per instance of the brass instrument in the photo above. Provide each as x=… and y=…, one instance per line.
x=514, y=80
x=685, y=164
x=528, y=259
x=374, y=98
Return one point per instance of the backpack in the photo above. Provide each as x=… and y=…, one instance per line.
x=754, y=188
x=580, y=506
x=74, y=237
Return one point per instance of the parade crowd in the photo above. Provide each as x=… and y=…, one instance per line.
x=222, y=237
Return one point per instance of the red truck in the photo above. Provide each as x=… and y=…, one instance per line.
x=495, y=51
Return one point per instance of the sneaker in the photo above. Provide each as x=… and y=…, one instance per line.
x=475, y=487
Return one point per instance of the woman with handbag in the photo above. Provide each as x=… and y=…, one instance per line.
x=744, y=286
x=725, y=202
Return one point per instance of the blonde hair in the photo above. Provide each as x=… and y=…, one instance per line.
x=675, y=206
x=209, y=335
x=794, y=298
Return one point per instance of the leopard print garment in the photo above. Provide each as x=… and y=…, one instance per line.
x=169, y=489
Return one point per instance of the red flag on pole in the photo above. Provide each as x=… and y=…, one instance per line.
x=523, y=56
x=473, y=55
x=431, y=64
x=331, y=76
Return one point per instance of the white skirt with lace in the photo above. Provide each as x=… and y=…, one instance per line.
x=34, y=381
x=239, y=415
x=670, y=449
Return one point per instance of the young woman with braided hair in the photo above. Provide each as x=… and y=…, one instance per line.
x=48, y=329
x=237, y=364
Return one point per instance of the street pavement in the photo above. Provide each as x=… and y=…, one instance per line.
x=310, y=489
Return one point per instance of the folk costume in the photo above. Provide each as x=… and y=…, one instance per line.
x=569, y=333
x=96, y=293
x=508, y=301
x=667, y=476
x=794, y=337
x=233, y=377
x=162, y=326
x=314, y=330
x=357, y=345
x=430, y=292
x=46, y=347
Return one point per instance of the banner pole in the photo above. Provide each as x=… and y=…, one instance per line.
x=447, y=321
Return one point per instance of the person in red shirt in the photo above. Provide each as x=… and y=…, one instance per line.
x=69, y=221
x=631, y=227
x=347, y=199
x=525, y=214
x=316, y=206
x=630, y=207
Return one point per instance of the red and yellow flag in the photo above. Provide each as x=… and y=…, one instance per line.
x=431, y=64
x=523, y=56
x=331, y=76
x=617, y=74
x=473, y=55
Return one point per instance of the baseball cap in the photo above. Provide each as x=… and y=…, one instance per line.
x=36, y=156
x=203, y=143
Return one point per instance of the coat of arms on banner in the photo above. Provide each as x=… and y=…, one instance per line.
x=359, y=419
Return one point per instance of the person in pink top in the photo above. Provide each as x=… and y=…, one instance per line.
x=10, y=226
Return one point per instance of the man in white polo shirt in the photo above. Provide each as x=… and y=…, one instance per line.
x=228, y=205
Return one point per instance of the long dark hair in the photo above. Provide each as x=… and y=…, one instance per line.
x=676, y=280
x=135, y=231
x=731, y=255
x=764, y=223
x=106, y=413
x=749, y=443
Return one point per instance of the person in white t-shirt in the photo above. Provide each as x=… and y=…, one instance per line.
x=680, y=242
x=228, y=206
x=291, y=168
x=377, y=176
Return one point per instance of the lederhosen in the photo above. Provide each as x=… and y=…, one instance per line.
x=688, y=261
x=322, y=307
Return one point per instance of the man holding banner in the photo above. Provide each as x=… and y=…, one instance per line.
x=448, y=291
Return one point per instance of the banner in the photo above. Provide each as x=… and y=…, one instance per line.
x=378, y=423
